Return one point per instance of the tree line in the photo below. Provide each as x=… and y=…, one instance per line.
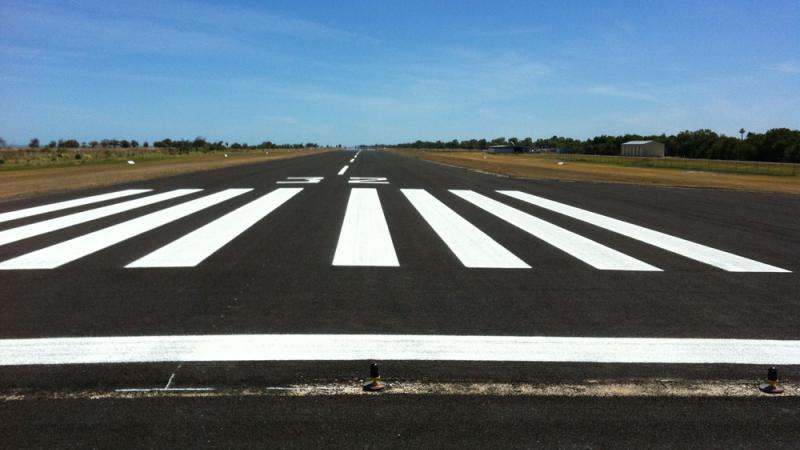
x=179, y=145
x=775, y=145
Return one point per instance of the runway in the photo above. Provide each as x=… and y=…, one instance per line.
x=376, y=246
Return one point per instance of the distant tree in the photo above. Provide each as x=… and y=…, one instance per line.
x=34, y=143
x=2, y=142
x=134, y=144
x=52, y=144
x=145, y=144
x=124, y=143
x=741, y=132
x=69, y=143
x=93, y=144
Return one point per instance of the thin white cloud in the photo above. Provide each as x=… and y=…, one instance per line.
x=613, y=91
x=789, y=67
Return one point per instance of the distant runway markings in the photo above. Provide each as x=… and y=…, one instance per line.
x=35, y=229
x=697, y=252
x=352, y=161
x=596, y=255
x=470, y=245
x=369, y=180
x=343, y=170
x=365, y=239
x=193, y=248
x=36, y=210
x=301, y=180
x=67, y=251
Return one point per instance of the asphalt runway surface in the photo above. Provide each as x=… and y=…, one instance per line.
x=379, y=249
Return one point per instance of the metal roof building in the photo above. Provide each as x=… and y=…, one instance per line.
x=642, y=148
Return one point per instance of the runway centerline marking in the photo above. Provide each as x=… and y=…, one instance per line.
x=57, y=223
x=688, y=249
x=351, y=347
x=343, y=170
x=472, y=247
x=36, y=210
x=191, y=249
x=595, y=254
x=365, y=239
x=67, y=251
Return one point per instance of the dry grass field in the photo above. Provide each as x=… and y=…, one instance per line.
x=24, y=181
x=563, y=167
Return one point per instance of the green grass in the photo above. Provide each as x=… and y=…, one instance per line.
x=46, y=158
x=700, y=165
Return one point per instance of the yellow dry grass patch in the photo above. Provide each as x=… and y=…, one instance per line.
x=23, y=183
x=534, y=166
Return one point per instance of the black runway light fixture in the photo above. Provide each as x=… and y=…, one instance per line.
x=771, y=386
x=375, y=375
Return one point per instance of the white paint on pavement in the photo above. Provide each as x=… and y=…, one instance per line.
x=301, y=180
x=369, y=180
x=67, y=251
x=349, y=347
x=191, y=249
x=692, y=250
x=36, y=210
x=46, y=226
x=365, y=239
x=595, y=254
x=343, y=170
x=470, y=245
x=352, y=161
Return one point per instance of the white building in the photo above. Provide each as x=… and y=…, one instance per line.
x=642, y=148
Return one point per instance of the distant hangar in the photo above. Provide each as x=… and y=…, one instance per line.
x=642, y=148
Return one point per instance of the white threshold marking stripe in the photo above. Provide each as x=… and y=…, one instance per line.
x=191, y=249
x=347, y=347
x=691, y=250
x=352, y=160
x=596, y=255
x=365, y=239
x=67, y=251
x=46, y=226
x=36, y=210
x=343, y=170
x=470, y=245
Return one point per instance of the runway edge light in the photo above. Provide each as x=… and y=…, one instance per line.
x=376, y=384
x=771, y=386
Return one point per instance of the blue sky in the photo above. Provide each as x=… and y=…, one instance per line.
x=365, y=71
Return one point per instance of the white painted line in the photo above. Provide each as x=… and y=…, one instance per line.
x=349, y=347
x=187, y=389
x=46, y=226
x=191, y=249
x=691, y=250
x=301, y=180
x=596, y=255
x=369, y=180
x=64, y=252
x=343, y=170
x=365, y=239
x=470, y=245
x=352, y=161
x=36, y=210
